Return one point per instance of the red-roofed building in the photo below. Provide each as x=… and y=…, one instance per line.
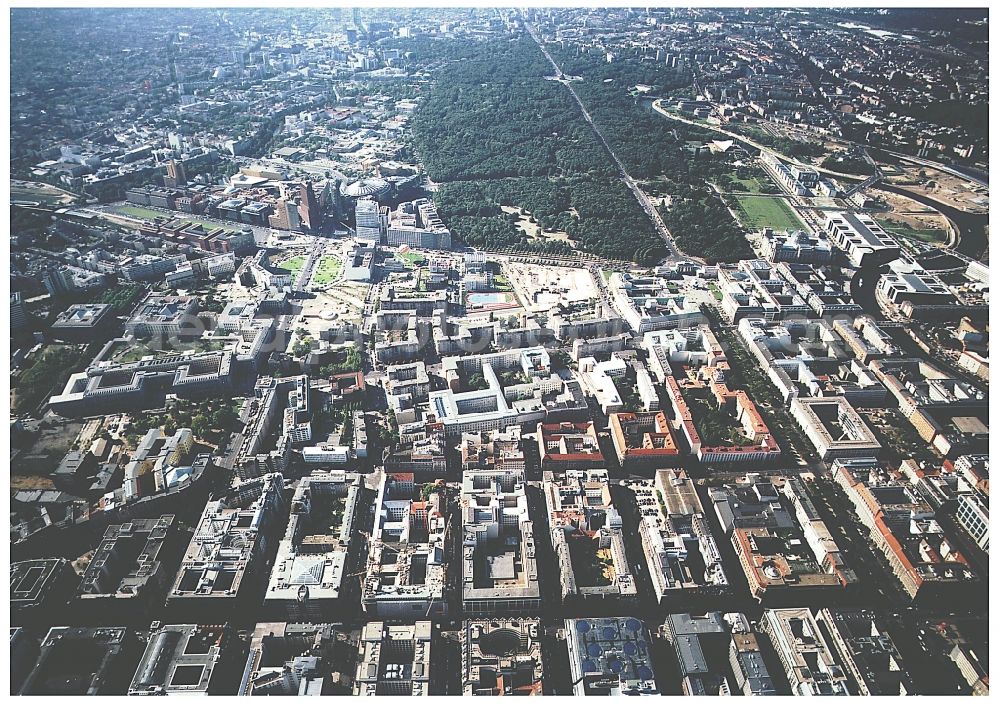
x=643, y=440
x=761, y=445
x=344, y=386
x=903, y=526
x=569, y=446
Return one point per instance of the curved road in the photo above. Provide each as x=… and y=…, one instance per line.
x=673, y=253
x=657, y=106
x=756, y=145
x=948, y=212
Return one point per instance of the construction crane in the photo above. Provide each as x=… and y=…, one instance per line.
x=361, y=575
x=447, y=530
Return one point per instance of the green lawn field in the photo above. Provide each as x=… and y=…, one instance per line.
x=929, y=235
x=410, y=258
x=735, y=184
x=326, y=271
x=759, y=211
x=293, y=264
x=148, y=214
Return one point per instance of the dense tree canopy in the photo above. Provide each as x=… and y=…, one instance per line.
x=495, y=133
x=669, y=154
x=492, y=115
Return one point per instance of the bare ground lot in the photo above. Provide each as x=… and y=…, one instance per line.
x=32, y=192
x=908, y=216
x=542, y=286
x=949, y=189
x=30, y=467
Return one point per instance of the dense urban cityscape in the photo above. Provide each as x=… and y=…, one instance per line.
x=593, y=351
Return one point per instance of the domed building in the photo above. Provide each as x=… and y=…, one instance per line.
x=376, y=188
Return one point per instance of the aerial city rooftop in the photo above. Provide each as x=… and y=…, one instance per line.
x=414, y=352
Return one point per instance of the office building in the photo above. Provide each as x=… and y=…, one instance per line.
x=973, y=514
x=681, y=553
x=796, y=246
x=749, y=669
x=369, y=220
x=808, y=358
x=948, y=412
x=394, y=660
x=499, y=568
x=162, y=315
x=233, y=533
x=568, y=446
x=176, y=175
x=158, y=463
x=755, y=288
x=493, y=450
x=82, y=321
x=610, y=657
x=502, y=657
x=835, y=428
x=519, y=383
x=699, y=643
x=647, y=304
x=84, y=661
x=903, y=527
x=18, y=311
x=405, y=573
x=183, y=660
x=127, y=570
x=288, y=659
x=308, y=579
x=972, y=665
x=809, y=663
x=738, y=432
x=416, y=224
x=296, y=422
x=310, y=213
x=406, y=385
x=40, y=588
x=861, y=238
x=782, y=544
x=643, y=440
x=867, y=652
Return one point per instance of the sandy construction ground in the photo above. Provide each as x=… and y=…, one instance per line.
x=912, y=213
x=541, y=287
x=330, y=307
x=943, y=186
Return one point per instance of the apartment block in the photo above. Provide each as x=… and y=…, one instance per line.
x=586, y=533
